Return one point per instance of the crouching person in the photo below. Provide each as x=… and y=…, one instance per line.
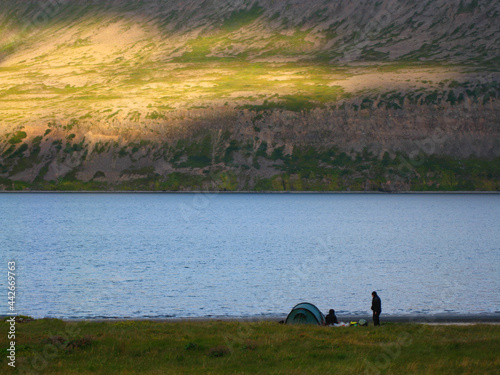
x=331, y=319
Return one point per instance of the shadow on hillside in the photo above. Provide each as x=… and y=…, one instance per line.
x=352, y=28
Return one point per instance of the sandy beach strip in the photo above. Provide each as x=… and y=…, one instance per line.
x=418, y=319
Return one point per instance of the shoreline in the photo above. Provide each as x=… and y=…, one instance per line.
x=214, y=192
x=420, y=319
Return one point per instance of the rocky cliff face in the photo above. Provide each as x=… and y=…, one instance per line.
x=249, y=95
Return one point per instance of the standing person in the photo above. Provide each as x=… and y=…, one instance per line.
x=376, y=308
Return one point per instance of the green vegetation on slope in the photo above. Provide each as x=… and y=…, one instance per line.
x=218, y=161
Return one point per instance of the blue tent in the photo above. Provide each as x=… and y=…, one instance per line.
x=305, y=313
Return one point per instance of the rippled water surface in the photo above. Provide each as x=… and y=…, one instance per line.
x=194, y=255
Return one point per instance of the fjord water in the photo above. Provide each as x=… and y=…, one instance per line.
x=198, y=255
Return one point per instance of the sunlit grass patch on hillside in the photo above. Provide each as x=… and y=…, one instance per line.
x=180, y=85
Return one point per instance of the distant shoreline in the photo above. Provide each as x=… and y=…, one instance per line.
x=240, y=192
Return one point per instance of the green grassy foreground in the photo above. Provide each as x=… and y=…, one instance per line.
x=216, y=347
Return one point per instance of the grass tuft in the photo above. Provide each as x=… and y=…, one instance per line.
x=218, y=351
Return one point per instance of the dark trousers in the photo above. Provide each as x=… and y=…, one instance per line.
x=376, y=319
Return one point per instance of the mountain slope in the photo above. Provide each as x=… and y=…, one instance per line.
x=337, y=30
x=121, y=91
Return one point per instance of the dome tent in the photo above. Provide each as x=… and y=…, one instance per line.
x=305, y=313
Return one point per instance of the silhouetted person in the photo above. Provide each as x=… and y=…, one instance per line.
x=331, y=318
x=376, y=308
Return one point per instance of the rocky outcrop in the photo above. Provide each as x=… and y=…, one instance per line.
x=249, y=147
